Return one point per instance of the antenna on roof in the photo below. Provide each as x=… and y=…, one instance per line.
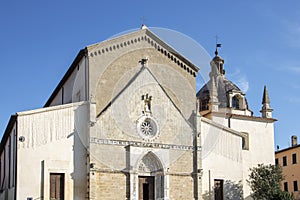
x=218, y=45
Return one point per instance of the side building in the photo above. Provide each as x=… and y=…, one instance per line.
x=235, y=140
x=289, y=160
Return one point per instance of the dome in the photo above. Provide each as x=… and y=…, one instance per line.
x=224, y=88
x=218, y=59
x=220, y=93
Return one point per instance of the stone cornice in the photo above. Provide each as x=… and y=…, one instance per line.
x=241, y=117
x=150, y=39
x=142, y=144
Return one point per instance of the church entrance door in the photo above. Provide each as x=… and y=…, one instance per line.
x=146, y=188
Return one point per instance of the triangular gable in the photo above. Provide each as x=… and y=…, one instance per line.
x=131, y=81
x=119, y=123
x=143, y=35
x=139, y=36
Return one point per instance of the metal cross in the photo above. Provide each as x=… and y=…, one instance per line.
x=143, y=61
x=143, y=20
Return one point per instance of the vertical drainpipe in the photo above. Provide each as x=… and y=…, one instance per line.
x=229, y=122
x=209, y=185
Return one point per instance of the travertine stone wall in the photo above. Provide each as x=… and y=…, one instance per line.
x=181, y=187
x=109, y=186
x=117, y=83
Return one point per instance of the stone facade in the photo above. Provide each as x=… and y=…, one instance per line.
x=123, y=123
x=119, y=111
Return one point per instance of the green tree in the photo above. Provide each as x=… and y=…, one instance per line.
x=264, y=180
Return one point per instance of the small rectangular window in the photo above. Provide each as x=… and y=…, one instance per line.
x=294, y=156
x=276, y=161
x=295, y=186
x=284, y=161
x=285, y=186
x=245, y=141
x=57, y=182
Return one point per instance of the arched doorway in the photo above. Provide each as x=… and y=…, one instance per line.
x=150, y=178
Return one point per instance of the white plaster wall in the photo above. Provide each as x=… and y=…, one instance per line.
x=220, y=119
x=79, y=90
x=52, y=144
x=221, y=158
x=75, y=84
x=261, y=145
x=58, y=99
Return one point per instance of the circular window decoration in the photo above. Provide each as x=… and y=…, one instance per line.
x=147, y=128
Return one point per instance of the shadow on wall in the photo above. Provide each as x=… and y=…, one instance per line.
x=80, y=134
x=232, y=191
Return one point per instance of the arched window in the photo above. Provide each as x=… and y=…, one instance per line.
x=235, y=102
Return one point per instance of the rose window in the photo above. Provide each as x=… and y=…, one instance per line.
x=147, y=128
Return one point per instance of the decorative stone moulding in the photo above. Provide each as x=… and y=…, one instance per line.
x=132, y=41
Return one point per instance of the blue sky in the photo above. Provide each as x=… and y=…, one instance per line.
x=260, y=45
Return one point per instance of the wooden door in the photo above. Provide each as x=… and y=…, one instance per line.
x=218, y=189
x=146, y=188
x=57, y=186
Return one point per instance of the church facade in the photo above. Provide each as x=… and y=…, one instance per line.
x=125, y=122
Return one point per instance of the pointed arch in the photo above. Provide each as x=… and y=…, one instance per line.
x=150, y=163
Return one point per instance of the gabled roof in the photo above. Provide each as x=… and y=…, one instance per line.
x=145, y=31
x=172, y=50
x=74, y=64
x=83, y=52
